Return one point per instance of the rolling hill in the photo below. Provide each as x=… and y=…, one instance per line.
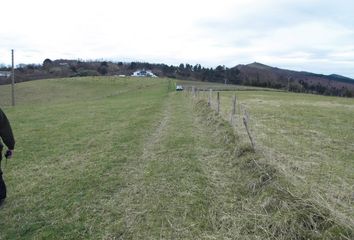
x=300, y=81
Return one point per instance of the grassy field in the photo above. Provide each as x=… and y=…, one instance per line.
x=219, y=86
x=127, y=158
x=309, y=138
x=76, y=139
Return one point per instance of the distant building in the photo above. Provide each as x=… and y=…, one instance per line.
x=143, y=73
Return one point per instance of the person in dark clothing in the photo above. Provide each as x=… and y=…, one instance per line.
x=8, y=139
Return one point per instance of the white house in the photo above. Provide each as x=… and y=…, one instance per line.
x=143, y=73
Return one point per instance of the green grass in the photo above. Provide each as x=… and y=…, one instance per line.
x=309, y=138
x=126, y=158
x=72, y=148
x=220, y=87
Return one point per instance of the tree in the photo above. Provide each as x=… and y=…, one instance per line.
x=47, y=63
x=232, y=75
x=133, y=66
x=181, y=67
x=103, y=69
x=189, y=67
x=73, y=68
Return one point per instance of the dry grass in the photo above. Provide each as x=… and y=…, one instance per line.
x=112, y=158
x=269, y=205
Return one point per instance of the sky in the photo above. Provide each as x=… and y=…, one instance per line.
x=305, y=35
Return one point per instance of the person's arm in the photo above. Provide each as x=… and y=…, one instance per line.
x=6, y=132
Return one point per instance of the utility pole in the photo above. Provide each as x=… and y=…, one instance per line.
x=13, y=79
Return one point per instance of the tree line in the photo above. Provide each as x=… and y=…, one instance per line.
x=220, y=74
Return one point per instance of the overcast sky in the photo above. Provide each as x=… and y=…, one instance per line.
x=310, y=35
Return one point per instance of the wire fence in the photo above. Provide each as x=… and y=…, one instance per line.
x=311, y=175
x=237, y=114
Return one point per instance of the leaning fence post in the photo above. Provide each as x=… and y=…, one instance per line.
x=245, y=122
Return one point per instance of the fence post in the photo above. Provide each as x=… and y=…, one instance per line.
x=233, y=113
x=234, y=105
x=210, y=94
x=242, y=109
x=218, y=102
x=245, y=122
x=12, y=78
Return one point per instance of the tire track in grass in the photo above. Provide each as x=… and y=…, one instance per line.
x=166, y=193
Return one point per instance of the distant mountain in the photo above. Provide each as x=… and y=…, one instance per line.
x=340, y=78
x=259, y=66
x=254, y=74
x=299, y=81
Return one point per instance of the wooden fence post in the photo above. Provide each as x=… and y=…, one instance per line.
x=218, y=102
x=12, y=78
x=234, y=105
x=242, y=108
x=210, y=94
x=245, y=122
x=233, y=112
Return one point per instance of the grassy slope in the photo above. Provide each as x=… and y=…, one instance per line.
x=187, y=84
x=308, y=138
x=71, y=153
x=104, y=158
x=312, y=137
x=126, y=159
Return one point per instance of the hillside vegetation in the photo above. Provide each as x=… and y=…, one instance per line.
x=254, y=74
x=130, y=158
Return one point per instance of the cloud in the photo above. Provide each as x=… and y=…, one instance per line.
x=291, y=33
